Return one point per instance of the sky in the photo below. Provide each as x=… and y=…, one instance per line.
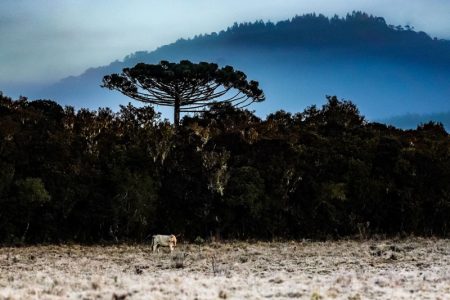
x=42, y=41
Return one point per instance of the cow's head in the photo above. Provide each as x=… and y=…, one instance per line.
x=173, y=240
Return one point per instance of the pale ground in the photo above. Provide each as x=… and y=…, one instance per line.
x=374, y=269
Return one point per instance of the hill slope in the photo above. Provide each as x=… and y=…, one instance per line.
x=386, y=70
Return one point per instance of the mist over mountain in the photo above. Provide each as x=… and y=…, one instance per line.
x=385, y=70
x=409, y=120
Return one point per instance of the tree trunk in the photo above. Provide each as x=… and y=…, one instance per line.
x=176, y=110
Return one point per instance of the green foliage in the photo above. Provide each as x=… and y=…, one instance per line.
x=245, y=189
x=186, y=86
x=91, y=176
x=31, y=191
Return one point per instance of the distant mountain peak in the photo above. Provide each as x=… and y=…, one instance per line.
x=357, y=31
x=387, y=70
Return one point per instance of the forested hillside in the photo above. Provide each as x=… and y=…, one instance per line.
x=93, y=176
x=387, y=70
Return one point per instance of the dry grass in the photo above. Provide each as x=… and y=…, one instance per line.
x=404, y=269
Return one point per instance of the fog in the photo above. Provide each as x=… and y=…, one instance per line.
x=44, y=40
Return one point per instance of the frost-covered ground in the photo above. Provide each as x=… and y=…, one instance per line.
x=374, y=269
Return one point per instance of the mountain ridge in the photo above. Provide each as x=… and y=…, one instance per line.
x=356, y=29
x=382, y=68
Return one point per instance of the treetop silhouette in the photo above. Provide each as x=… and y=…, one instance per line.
x=187, y=86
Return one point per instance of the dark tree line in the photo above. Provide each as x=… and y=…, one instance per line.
x=92, y=176
x=357, y=32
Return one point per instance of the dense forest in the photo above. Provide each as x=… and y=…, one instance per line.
x=357, y=32
x=88, y=176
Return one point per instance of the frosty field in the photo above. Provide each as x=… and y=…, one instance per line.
x=374, y=269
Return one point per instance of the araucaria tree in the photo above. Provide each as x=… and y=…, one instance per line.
x=187, y=86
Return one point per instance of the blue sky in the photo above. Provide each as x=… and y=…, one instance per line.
x=45, y=40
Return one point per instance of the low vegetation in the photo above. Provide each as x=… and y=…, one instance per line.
x=412, y=268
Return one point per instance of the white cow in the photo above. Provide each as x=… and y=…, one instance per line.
x=163, y=240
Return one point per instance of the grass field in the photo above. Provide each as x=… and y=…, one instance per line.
x=374, y=269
